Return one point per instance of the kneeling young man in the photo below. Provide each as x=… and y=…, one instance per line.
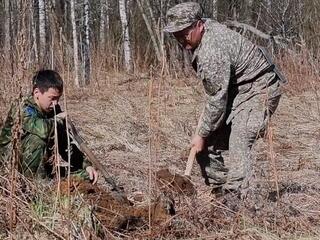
x=37, y=135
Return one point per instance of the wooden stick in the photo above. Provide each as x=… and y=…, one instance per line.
x=191, y=158
x=193, y=152
x=91, y=157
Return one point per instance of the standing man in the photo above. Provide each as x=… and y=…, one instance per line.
x=242, y=87
x=37, y=113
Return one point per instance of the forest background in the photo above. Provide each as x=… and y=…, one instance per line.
x=134, y=96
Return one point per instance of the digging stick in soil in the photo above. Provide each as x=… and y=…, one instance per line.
x=191, y=158
x=176, y=182
x=92, y=158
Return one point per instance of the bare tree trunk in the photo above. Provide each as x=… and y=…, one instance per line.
x=66, y=26
x=215, y=10
x=42, y=28
x=126, y=37
x=104, y=22
x=161, y=35
x=86, y=47
x=54, y=4
x=7, y=25
x=158, y=27
x=249, y=11
x=34, y=33
x=153, y=20
x=271, y=39
x=233, y=10
x=269, y=5
x=75, y=44
x=152, y=35
x=250, y=2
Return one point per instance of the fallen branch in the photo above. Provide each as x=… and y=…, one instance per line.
x=276, y=39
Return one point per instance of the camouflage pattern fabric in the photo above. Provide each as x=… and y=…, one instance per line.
x=182, y=16
x=243, y=88
x=233, y=70
x=37, y=140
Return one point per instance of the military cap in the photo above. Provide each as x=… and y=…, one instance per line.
x=182, y=16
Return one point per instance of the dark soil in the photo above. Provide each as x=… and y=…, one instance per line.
x=175, y=182
x=115, y=212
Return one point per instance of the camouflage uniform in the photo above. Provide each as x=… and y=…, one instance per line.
x=37, y=140
x=242, y=88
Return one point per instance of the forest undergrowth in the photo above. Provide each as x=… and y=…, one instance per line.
x=139, y=123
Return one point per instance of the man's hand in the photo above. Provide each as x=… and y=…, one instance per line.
x=61, y=116
x=198, y=143
x=93, y=174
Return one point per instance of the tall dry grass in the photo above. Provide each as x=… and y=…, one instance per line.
x=33, y=204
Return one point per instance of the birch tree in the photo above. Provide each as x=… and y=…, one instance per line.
x=125, y=35
x=7, y=40
x=149, y=28
x=104, y=22
x=86, y=45
x=75, y=43
x=42, y=27
x=34, y=17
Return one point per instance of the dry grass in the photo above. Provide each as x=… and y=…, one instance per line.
x=136, y=128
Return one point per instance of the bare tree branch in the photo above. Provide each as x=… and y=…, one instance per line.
x=277, y=39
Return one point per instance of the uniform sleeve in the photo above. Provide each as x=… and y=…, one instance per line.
x=215, y=74
x=33, y=124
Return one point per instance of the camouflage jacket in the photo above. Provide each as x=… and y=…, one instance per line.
x=230, y=66
x=34, y=121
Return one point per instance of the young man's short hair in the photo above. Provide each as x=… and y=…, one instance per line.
x=45, y=79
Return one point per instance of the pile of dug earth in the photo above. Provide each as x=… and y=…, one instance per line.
x=114, y=211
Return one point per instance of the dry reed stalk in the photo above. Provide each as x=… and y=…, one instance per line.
x=58, y=35
x=158, y=121
x=269, y=136
x=150, y=147
x=56, y=163
x=57, y=235
x=22, y=205
x=69, y=162
x=16, y=140
x=272, y=156
x=16, y=145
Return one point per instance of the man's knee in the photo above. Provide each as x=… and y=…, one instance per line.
x=33, y=149
x=212, y=167
x=32, y=141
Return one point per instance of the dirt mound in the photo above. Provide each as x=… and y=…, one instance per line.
x=115, y=211
x=175, y=182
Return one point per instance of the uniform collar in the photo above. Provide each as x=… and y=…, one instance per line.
x=30, y=102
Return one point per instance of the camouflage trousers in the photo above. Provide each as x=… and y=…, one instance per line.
x=35, y=156
x=236, y=139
